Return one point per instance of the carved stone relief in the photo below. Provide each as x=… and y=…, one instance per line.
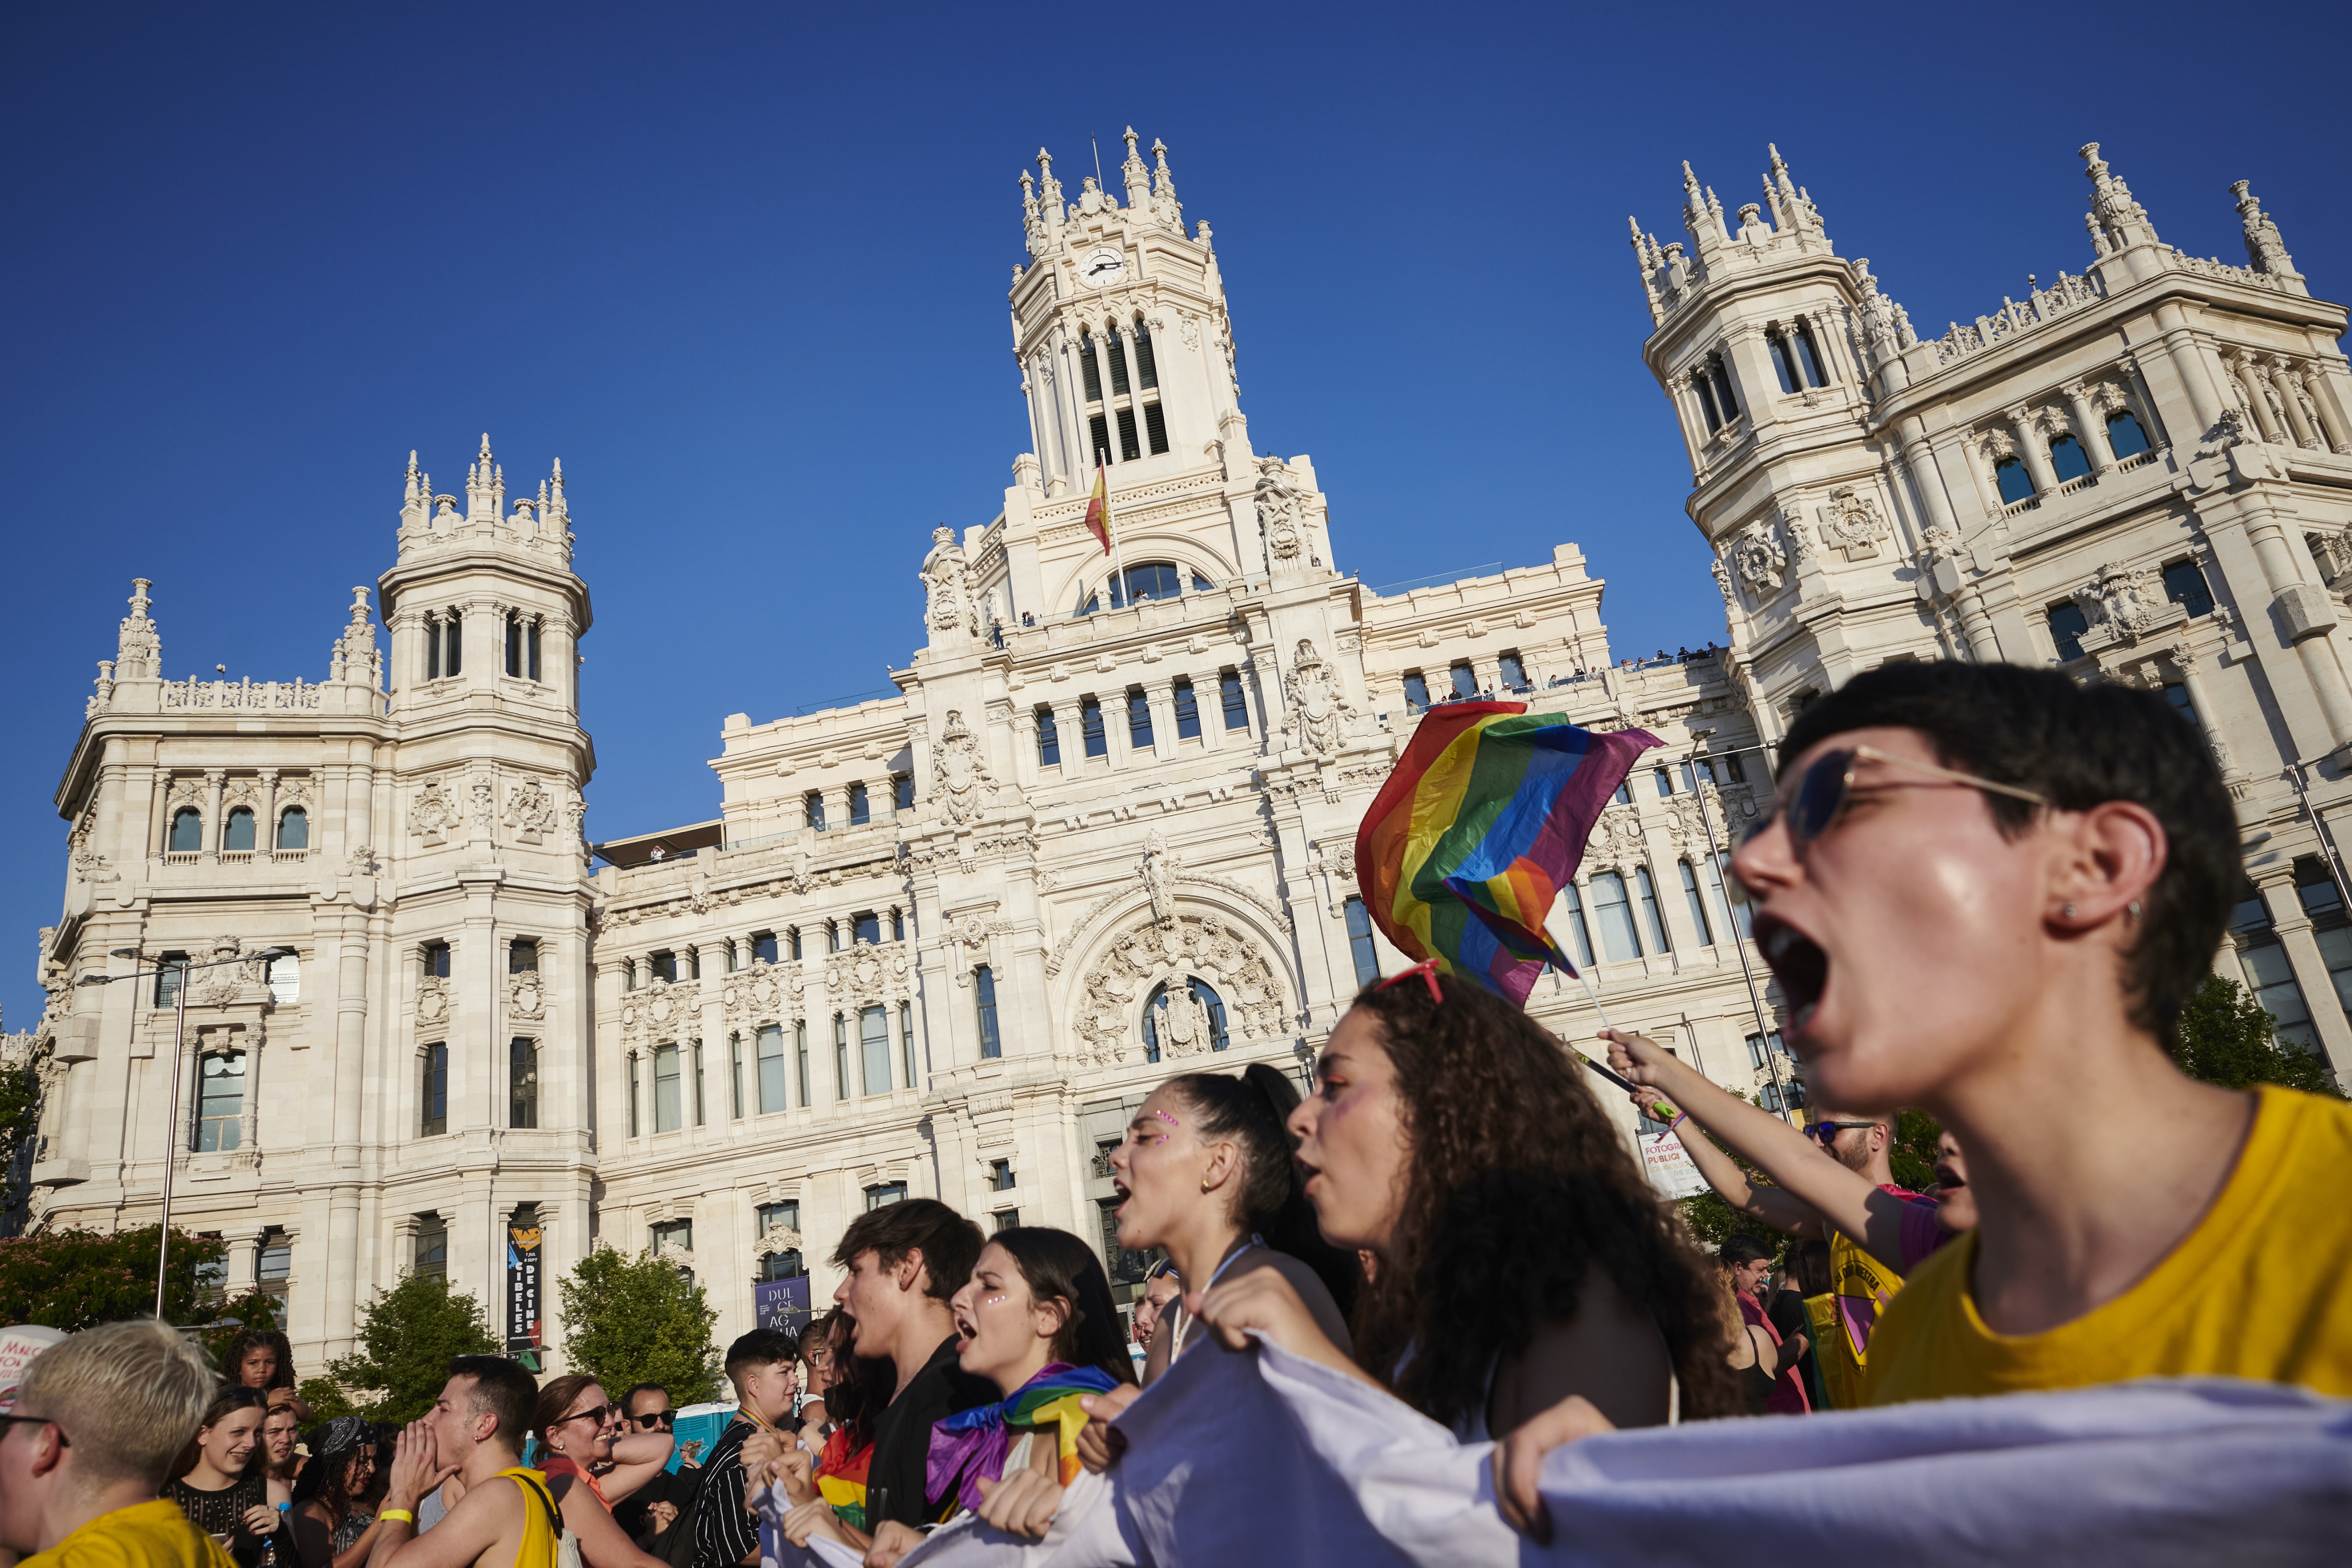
x=961, y=779
x=1851, y=523
x=432, y=815
x=1318, y=707
x=1108, y=1009
x=530, y=811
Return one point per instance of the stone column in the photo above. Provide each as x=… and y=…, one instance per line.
x=2281, y=380
x=2030, y=449
x=2088, y=427
x=2201, y=702
x=2293, y=928
x=1160, y=698
x=265, y=834
x=1752, y=367
x=2244, y=380
x=1114, y=721
x=2314, y=385
x=2277, y=558
x=212, y=825
x=1024, y=745
x=1209, y=702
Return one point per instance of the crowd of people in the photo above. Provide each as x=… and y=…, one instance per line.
x=1986, y=894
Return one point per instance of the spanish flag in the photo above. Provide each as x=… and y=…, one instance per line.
x=1098, y=509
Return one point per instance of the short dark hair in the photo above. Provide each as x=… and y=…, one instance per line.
x=629, y=1400
x=501, y=1388
x=1739, y=1247
x=761, y=1347
x=950, y=1243
x=2079, y=746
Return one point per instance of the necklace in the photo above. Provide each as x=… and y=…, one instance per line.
x=1184, y=1319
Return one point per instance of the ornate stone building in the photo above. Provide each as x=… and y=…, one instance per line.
x=940, y=943
x=2143, y=471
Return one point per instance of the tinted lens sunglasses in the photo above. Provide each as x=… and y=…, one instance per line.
x=652, y=1419
x=1826, y=1133
x=1813, y=807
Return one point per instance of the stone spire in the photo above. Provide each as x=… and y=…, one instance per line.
x=1033, y=227
x=139, y=648
x=1049, y=198
x=1138, y=178
x=2265, y=248
x=2124, y=220
x=552, y=507
x=1163, y=189
x=1792, y=207
x=1702, y=215
x=482, y=486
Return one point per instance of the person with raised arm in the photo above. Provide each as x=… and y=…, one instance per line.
x=593, y=1463
x=474, y=1430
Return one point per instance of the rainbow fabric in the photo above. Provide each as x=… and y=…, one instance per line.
x=1477, y=829
x=973, y=1444
x=841, y=1477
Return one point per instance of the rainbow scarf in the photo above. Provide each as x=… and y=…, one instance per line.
x=971, y=1444
x=841, y=1474
x=1477, y=829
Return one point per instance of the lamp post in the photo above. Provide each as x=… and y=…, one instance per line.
x=172, y=1109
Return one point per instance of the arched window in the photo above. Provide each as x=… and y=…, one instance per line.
x=2015, y=483
x=2067, y=459
x=1179, y=1024
x=187, y=831
x=220, y=1100
x=236, y=833
x=1151, y=580
x=293, y=828
x=2124, y=435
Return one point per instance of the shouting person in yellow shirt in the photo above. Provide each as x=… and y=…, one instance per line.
x=99, y=1420
x=1988, y=892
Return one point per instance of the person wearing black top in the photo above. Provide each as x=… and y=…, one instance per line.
x=647, y=1408
x=906, y=1261
x=223, y=1490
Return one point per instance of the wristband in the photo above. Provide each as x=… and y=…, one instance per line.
x=399, y=1515
x=1680, y=1116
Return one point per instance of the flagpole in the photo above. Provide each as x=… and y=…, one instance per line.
x=1110, y=530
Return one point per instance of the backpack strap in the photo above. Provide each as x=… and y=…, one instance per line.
x=546, y=1501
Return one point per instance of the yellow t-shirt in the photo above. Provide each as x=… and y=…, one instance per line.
x=2261, y=1289
x=144, y=1536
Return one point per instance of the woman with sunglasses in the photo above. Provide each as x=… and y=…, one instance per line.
x=223, y=1484
x=592, y=1462
x=1529, y=1284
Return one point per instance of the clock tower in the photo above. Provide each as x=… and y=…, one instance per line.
x=1094, y=312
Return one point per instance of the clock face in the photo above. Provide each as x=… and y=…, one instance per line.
x=1101, y=267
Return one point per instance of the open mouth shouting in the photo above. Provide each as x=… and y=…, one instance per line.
x=965, y=1327
x=1800, y=964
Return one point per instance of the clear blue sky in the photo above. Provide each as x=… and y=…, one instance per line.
x=743, y=268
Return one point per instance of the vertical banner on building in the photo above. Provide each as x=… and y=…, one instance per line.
x=522, y=1291
x=781, y=1303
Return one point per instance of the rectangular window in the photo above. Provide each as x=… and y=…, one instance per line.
x=898, y=925
x=795, y=943
x=454, y=664
x=884, y=1195
x=779, y=1216
x=1651, y=917
x=522, y=956
x=861, y=808
x=1572, y=909
x=629, y=1065
x=1665, y=781
x=813, y=809
x=699, y=1119
x=1007, y=1219
x=874, y=1049
x=983, y=992
x=522, y=1083
x=220, y=1100
x=999, y=1175
x=1759, y=1046
x=1155, y=428
x=1359, y=942
x=1513, y=672
x=1229, y=690
x=169, y=972
x=1625, y=795
x=432, y=648
x=673, y=1236
x=2067, y=625
x=436, y=960
x=273, y=1264
x=770, y=1044
x=1049, y=739
x=735, y=1070
x=432, y=1254
x=1188, y=711
x=2185, y=584
x=1147, y=368
x=1736, y=915
x=764, y=947
x=902, y=791
x=1098, y=430
x=666, y=967
x=1699, y=921
x=1138, y=719
x=514, y=645
x=530, y=647
x=1465, y=679
x=868, y=928
x=1118, y=356
x=2177, y=693
x=435, y=1096
x=1090, y=369
x=1619, y=940
x=1416, y=690
x=841, y=1055
x=906, y=1039
x=1091, y=726
x=1128, y=449
x=284, y=976
x=2273, y=980
x=800, y=1059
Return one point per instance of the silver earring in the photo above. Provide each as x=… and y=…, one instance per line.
x=2134, y=908
x=2068, y=912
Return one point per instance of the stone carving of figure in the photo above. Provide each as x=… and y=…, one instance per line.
x=959, y=771
x=1281, y=509
x=1318, y=706
x=2124, y=598
x=1183, y=1021
x=1157, y=870
x=486, y=805
x=947, y=587
x=432, y=814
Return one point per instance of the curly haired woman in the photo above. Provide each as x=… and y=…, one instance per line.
x=1527, y=1285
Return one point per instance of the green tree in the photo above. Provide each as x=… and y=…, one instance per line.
x=2225, y=1036
x=20, y=1116
x=638, y=1320
x=405, y=1340
x=72, y=1278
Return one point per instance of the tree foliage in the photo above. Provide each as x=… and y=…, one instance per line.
x=639, y=1320
x=20, y=1117
x=2226, y=1037
x=72, y=1278
x=405, y=1340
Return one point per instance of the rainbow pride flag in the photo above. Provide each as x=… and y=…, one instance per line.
x=1481, y=825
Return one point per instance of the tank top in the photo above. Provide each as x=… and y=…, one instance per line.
x=538, y=1544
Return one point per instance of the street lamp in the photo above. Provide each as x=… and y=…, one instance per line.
x=172, y=1110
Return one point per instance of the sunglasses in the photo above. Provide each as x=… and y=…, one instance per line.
x=654, y=1418
x=597, y=1412
x=63, y=1442
x=1826, y=1133
x=1425, y=972
x=1813, y=807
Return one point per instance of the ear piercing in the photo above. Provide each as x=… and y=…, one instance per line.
x=2068, y=912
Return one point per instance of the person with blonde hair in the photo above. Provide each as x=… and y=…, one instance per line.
x=99, y=1422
